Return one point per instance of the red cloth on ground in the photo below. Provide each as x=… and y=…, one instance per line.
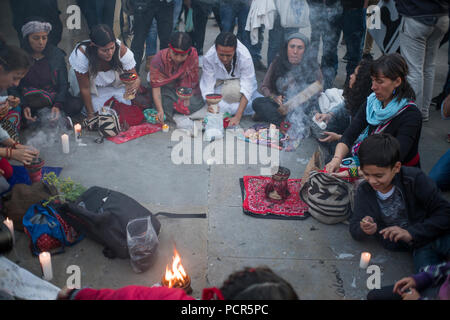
x=7, y=168
x=135, y=132
x=133, y=293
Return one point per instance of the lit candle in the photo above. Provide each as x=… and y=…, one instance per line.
x=365, y=259
x=65, y=143
x=10, y=226
x=77, y=129
x=46, y=264
x=165, y=128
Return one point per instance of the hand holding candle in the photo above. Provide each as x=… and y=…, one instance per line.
x=46, y=263
x=365, y=259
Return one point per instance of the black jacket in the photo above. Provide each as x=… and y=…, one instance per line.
x=58, y=68
x=428, y=212
x=406, y=127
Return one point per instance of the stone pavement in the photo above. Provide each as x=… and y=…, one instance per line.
x=320, y=261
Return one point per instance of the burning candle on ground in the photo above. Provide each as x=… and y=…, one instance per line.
x=65, y=143
x=365, y=259
x=10, y=226
x=46, y=264
x=77, y=129
x=165, y=128
x=177, y=277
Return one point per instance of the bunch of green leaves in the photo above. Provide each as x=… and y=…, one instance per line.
x=66, y=189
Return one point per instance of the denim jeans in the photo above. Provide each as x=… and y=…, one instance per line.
x=163, y=13
x=277, y=37
x=98, y=12
x=433, y=253
x=152, y=38
x=441, y=172
x=354, y=29
x=201, y=10
x=230, y=11
x=326, y=22
x=419, y=44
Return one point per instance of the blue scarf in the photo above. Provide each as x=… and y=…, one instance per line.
x=377, y=114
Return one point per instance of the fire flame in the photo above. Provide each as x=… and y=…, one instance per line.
x=177, y=276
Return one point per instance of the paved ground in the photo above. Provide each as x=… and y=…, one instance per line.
x=321, y=262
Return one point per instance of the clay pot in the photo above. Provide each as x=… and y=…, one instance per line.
x=128, y=79
x=213, y=98
x=184, y=93
x=277, y=190
x=35, y=169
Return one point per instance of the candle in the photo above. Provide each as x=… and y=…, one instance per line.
x=65, y=143
x=46, y=264
x=365, y=259
x=10, y=226
x=77, y=129
x=165, y=128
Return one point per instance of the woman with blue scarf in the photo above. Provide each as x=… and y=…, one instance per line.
x=390, y=109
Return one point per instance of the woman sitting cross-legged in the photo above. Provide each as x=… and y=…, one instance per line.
x=174, y=69
x=389, y=109
x=291, y=72
x=45, y=85
x=98, y=63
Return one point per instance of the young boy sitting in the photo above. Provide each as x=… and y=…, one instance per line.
x=400, y=205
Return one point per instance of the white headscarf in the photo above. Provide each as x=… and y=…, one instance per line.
x=35, y=27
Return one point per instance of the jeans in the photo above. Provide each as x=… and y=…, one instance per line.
x=98, y=12
x=433, y=253
x=277, y=37
x=201, y=11
x=326, y=22
x=354, y=29
x=441, y=172
x=152, y=38
x=419, y=44
x=238, y=10
x=163, y=13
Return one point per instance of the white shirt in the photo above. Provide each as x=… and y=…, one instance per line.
x=80, y=63
x=213, y=70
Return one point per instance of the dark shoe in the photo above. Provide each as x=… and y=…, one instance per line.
x=259, y=65
x=437, y=101
x=367, y=56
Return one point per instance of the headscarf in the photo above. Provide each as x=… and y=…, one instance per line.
x=163, y=71
x=35, y=27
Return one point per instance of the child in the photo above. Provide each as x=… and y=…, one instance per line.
x=400, y=205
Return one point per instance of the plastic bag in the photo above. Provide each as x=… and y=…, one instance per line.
x=214, y=127
x=189, y=21
x=142, y=244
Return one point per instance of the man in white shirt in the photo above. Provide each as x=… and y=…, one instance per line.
x=228, y=70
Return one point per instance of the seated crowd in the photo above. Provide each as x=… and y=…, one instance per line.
x=375, y=132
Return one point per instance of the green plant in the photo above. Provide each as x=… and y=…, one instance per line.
x=66, y=189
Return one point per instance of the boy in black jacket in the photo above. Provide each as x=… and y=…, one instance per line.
x=400, y=205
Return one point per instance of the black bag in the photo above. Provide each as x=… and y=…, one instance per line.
x=103, y=216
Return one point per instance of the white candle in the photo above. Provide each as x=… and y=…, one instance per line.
x=10, y=226
x=77, y=129
x=365, y=259
x=46, y=264
x=65, y=143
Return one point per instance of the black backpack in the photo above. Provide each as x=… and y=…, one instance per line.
x=102, y=215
